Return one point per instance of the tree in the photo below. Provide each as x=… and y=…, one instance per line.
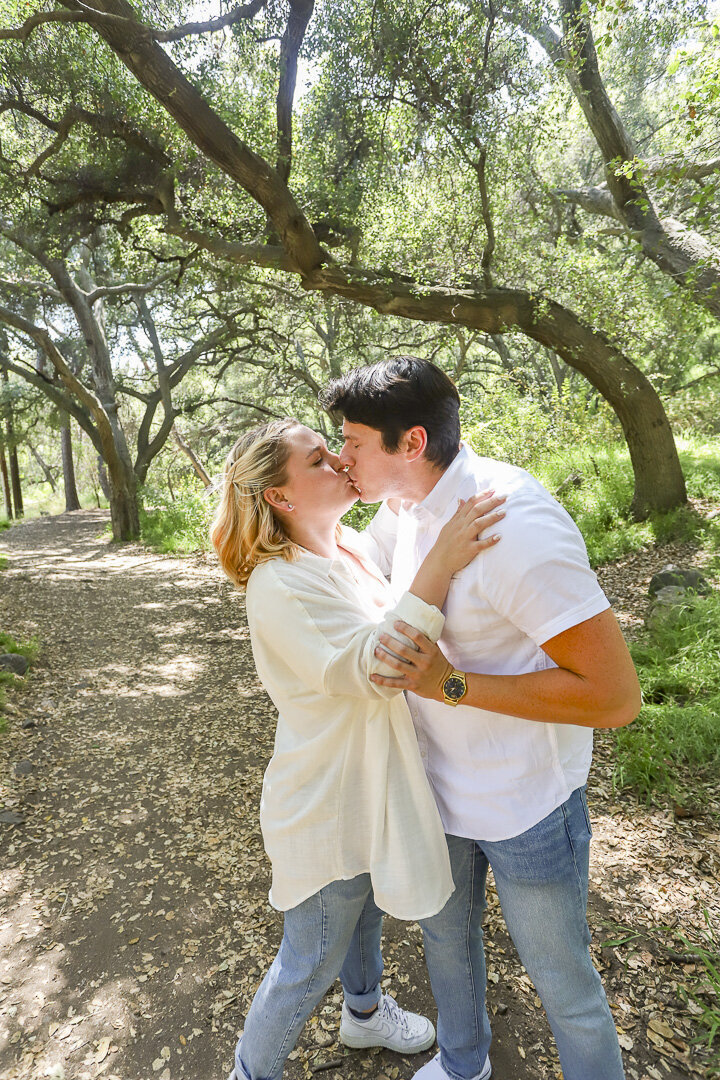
x=278, y=235
x=72, y=364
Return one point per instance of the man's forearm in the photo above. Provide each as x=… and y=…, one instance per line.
x=552, y=696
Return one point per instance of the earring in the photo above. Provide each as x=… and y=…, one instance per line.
x=290, y=506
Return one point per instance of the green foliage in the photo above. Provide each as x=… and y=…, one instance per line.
x=360, y=515
x=3, y=562
x=707, y=997
x=176, y=525
x=4, y=524
x=28, y=649
x=677, y=734
x=8, y=644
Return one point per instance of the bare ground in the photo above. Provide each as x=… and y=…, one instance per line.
x=134, y=922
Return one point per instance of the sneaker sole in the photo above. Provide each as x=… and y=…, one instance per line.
x=358, y=1042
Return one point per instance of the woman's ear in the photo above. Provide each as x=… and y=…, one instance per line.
x=275, y=499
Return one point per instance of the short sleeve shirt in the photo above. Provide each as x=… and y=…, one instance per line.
x=495, y=776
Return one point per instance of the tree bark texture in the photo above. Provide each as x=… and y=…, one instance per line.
x=5, y=482
x=154, y=70
x=124, y=514
x=103, y=478
x=678, y=251
x=72, y=502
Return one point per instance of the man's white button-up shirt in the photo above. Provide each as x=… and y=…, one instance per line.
x=495, y=776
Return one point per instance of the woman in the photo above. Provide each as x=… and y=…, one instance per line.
x=347, y=815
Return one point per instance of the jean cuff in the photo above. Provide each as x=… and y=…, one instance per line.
x=363, y=1002
x=240, y=1071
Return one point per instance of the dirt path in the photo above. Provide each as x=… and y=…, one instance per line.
x=135, y=925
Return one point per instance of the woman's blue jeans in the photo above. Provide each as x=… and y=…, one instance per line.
x=541, y=878
x=335, y=932
x=542, y=881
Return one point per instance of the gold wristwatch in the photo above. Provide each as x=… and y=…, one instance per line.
x=454, y=687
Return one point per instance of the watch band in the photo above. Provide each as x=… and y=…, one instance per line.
x=454, y=687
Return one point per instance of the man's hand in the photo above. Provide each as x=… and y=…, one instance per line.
x=422, y=669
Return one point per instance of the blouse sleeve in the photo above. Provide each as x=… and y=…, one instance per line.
x=309, y=627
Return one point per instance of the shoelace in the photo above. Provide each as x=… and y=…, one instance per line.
x=389, y=1008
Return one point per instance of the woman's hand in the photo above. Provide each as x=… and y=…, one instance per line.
x=461, y=539
x=422, y=669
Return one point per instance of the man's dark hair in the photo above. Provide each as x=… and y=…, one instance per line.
x=395, y=395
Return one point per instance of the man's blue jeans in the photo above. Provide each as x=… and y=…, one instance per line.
x=335, y=932
x=542, y=882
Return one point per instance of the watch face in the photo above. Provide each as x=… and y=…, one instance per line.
x=454, y=687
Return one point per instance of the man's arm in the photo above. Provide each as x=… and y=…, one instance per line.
x=594, y=684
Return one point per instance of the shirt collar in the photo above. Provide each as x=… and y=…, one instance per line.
x=350, y=541
x=436, y=501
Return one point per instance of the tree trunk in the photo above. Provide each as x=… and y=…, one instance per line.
x=659, y=482
x=103, y=478
x=5, y=482
x=72, y=502
x=124, y=512
x=50, y=479
x=13, y=459
x=14, y=471
x=192, y=457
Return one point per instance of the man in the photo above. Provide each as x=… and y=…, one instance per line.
x=534, y=661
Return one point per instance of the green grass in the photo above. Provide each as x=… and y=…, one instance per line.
x=3, y=562
x=595, y=485
x=5, y=524
x=707, y=996
x=673, y=748
x=8, y=644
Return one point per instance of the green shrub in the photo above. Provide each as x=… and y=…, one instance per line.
x=176, y=526
x=4, y=524
x=3, y=562
x=675, y=742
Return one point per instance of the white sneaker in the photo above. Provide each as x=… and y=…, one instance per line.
x=434, y=1071
x=389, y=1026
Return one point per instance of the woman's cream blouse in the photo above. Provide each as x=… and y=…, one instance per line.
x=345, y=792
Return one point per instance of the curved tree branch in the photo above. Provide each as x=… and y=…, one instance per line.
x=211, y=26
x=58, y=396
x=300, y=14
x=39, y=18
x=161, y=77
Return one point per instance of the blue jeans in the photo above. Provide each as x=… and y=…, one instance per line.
x=335, y=932
x=542, y=883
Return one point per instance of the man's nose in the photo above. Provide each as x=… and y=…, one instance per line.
x=345, y=456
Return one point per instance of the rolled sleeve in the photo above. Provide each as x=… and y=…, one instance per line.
x=323, y=638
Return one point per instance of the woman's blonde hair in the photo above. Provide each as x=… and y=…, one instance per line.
x=245, y=531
